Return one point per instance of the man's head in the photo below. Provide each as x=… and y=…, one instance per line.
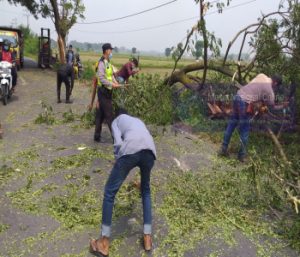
x=119, y=111
x=276, y=81
x=135, y=61
x=70, y=47
x=6, y=45
x=107, y=49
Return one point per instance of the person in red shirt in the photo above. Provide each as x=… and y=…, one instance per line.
x=127, y=70
x=7, y=55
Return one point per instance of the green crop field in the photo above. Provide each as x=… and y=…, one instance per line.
x=148, y=64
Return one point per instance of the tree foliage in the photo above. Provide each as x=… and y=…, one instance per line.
x=63, y=13
x=133, y=50
x=199, y=45
x=168, y=51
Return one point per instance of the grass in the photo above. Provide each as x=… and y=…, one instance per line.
x=147, y=63
x=3, y=227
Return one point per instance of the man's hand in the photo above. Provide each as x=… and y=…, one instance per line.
x=115, y=85
x=285, y=104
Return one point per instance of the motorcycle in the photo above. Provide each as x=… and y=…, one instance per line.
x=5, y=81
x=77, y=66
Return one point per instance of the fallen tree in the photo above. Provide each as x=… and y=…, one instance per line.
x=274, y=41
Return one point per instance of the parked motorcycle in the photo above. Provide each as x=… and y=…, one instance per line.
x=5, y=81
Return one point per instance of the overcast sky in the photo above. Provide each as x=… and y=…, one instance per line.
x=225, y=25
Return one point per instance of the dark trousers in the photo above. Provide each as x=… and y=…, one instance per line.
x=240, y=118
x=104, y=112
x=62, y=77
x=14, y=76
x=144, y=160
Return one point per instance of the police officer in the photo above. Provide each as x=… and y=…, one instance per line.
x=7, y=55
x=105, y=84
x=65, y=73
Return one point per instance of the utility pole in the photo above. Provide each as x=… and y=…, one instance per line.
x=27, y=16
x=13, y=22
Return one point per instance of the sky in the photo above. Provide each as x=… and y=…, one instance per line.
x=225, y=25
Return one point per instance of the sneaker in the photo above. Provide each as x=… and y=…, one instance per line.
x=223, y=152
x=147, y=242
x=97, y=139
x=242, y=159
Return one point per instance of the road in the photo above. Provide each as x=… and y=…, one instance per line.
x=52, y=179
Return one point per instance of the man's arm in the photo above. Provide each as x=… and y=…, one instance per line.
x=117, y=135
x=271, y=103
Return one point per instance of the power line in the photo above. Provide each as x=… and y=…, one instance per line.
x=142, y=29
x=128, y=16
x=6, y=11
x=234, y=6
x=166, y=24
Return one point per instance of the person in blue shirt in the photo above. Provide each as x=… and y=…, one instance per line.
x=70, y=56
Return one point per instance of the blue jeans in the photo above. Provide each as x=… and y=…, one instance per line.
x=239, y=117
x=144, y=160
x=120, y=80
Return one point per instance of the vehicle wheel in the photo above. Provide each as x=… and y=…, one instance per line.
x=22, y=65
x=9, y=94
x=4, y=99
x=18, y=67
x=4, y=93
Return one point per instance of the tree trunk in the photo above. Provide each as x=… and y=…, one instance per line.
x=61, y=48
x=183, y=77
x=202, y=28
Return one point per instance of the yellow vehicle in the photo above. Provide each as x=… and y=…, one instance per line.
x=15, y=36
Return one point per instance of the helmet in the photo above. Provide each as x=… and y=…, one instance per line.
x=6, y=45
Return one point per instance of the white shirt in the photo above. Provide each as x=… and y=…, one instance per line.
x=131, y=136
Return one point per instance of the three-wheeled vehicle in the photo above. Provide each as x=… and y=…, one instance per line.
x=15, y=36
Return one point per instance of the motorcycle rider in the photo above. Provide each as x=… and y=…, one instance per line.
x=77, y=66
x=9, y=56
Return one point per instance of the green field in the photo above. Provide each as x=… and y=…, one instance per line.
x=148, y=64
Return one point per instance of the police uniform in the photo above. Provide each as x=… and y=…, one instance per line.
x=104, y=92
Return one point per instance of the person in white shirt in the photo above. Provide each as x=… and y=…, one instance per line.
x=133, y=147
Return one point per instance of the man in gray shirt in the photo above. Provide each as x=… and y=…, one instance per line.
x=133, y=147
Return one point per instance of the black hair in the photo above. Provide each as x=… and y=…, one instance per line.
x=135, y=61
x=119, y=111
x=277, y=78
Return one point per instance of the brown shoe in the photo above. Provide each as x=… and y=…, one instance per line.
x=147, y=242
x=100, y=246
